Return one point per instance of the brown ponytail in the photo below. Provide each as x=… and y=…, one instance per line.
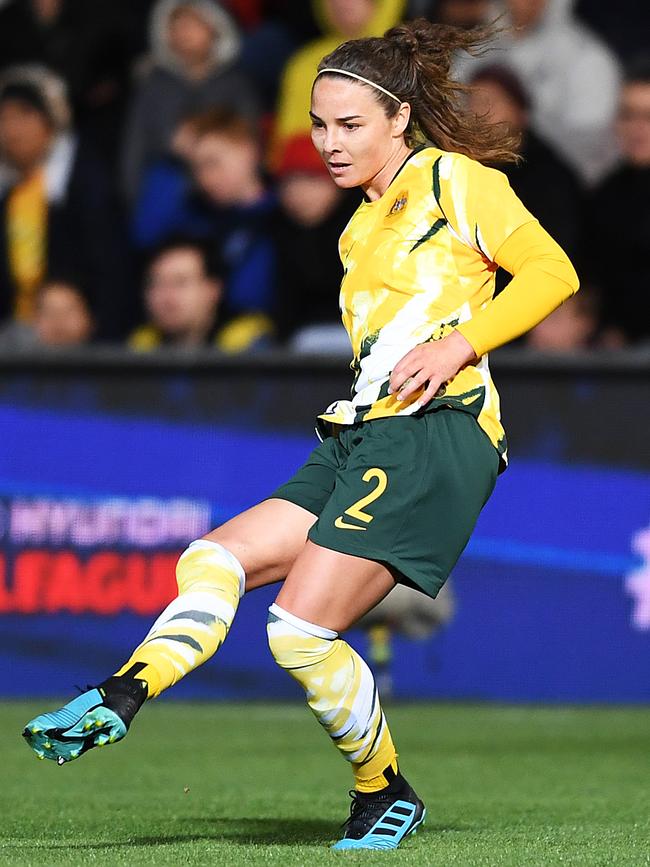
x=413, y=62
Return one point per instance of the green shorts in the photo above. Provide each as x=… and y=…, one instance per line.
x=405, y=491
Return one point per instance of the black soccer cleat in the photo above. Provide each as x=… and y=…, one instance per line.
x=381, y=820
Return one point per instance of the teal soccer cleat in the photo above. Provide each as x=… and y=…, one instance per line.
x=98, y=717
x=382, y=820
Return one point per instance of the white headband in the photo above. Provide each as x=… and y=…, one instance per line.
x=364, y=80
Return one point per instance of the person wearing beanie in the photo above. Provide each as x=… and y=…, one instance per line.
x=57, y=213
x=91, y=45
x=192, y=67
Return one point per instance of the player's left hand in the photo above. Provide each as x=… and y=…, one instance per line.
x=430, y=366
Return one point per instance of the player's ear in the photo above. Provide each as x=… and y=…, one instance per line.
x=401, y=119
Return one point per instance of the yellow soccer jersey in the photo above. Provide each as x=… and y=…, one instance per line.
x=417, y=262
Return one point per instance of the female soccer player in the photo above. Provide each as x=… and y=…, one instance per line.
x=394, y=490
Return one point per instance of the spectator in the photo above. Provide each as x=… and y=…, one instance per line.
x=56, y=213
x=226, y=204
x=340, y=20
x=168, y=202
x=542, y=180
x=571, y=76
x=226, y=167
x=457, y=13
x=617, y=232
x=183, y=294
x=62, y=319
x=272, y=31
x=90, y=45
x=192, y=67
x=313, y=213
x=573, y=326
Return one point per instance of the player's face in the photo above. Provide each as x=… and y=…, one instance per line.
x=351, y=132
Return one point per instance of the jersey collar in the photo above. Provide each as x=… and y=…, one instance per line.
x=366, y=200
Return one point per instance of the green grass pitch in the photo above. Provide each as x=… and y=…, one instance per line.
x=223, y=784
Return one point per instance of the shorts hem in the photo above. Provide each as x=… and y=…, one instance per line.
x=413, y=577
x=295, y=500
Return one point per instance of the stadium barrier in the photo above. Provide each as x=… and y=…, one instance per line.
x=111, y=463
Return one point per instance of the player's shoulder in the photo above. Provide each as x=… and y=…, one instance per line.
x=450, y=167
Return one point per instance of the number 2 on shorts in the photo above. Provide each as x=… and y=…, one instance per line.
x=356, y=510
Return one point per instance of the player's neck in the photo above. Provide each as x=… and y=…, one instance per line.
x=377, y=186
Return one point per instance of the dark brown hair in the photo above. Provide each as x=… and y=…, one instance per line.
x=413, y=62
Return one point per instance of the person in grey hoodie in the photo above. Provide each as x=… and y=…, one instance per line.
x=192, y=66
x=572, y=77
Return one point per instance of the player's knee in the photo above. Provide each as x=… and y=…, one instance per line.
x=295, y=643
x=205, y=564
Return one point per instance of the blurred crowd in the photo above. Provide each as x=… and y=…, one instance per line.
x=158, y=186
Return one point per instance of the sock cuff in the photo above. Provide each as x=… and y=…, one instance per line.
x=227, y=558
x=304, y=625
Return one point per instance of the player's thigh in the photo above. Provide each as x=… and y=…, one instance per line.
x=266, y=539
x=333, y=589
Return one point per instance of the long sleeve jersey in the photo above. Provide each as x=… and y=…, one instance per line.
x=420, y=261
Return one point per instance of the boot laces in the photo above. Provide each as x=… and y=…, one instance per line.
x=364, y=813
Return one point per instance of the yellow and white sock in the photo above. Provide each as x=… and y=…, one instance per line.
x=341, y=692
x=211, y=582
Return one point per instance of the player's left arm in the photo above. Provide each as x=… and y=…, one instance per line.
x=543, y=277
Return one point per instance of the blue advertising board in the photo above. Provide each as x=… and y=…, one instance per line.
x=552, y=595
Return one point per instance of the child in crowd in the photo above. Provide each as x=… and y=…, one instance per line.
x=192, y=66
x=214, y=190
x=167, y=202
x=62, y=320
x=227, y=169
